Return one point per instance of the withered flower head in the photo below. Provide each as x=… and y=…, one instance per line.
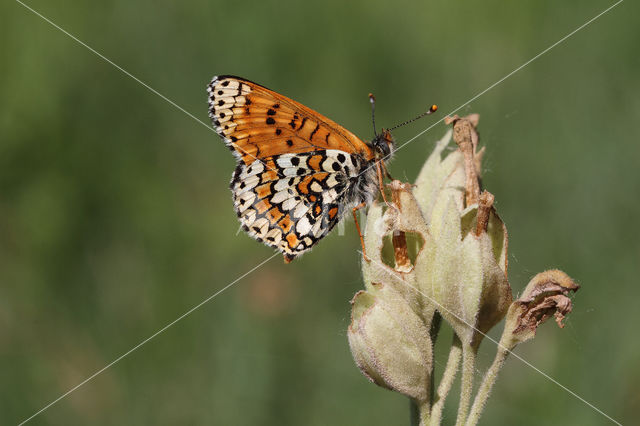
x=546, y=295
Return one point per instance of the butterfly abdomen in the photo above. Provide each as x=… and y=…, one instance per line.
x=364, y=187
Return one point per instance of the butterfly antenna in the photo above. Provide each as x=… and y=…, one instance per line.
x=431, y=110
x=372, y=99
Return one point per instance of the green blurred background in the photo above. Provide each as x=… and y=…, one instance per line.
x=115, y=213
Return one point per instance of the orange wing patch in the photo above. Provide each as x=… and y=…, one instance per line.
x=257, y=123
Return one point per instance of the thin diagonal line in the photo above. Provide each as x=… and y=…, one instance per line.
x=114, y=64
x=502, y=79
x=515, y=70
x=497, y=343
x=101, y=56
x=148, y=339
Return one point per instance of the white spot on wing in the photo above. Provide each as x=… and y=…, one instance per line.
x=289, y=204
x=315, y=186
x=330, y=196
x=316, y=228
x=248, y=217
x=285, y=160
x=283, y=184
x=226, y=112
x=275, y=234
x=228, y=103
x=233, y=84
x=300, y=210
x=303, y=226
x=255, y=168
x=327, y=165
x=262, y=224
x=244, y=200
x=291, y=171
x=332, y=181
x=249, y=183
x=280, y=196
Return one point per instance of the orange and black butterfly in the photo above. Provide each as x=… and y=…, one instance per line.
x=298, y=172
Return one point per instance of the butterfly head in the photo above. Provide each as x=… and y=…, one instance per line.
x=383, y=144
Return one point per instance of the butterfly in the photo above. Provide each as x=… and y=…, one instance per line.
x=297, y=171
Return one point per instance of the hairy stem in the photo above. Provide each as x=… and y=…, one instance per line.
x=420, y=413
x=421, y=410
x=448, y=376
x=466, y=385
x=486, y=386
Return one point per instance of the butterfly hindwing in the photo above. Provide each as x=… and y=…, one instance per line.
x=295, y=209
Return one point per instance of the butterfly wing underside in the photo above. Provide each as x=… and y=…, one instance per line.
x=256, y=122
x=295, y=169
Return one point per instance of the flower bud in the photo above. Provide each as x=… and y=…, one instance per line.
x=467, y=273
x=389, y=342
x=440, y=174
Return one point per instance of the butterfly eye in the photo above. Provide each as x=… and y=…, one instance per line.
x=387, y=137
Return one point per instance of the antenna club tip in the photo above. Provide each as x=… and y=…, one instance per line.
x=433, y=108
x=371, y=97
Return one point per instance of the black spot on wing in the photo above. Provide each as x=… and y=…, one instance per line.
x=314, y=131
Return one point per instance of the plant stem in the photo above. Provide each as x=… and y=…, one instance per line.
x=486, y=386
x=466, y=385
x=446, y=382
x=425, y=413
x=420, y=413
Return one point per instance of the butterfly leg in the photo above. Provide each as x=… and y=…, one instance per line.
x=386, y=172
x=380, y=179
x=355, y=218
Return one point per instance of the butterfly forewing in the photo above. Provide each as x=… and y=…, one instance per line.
x=259, y=123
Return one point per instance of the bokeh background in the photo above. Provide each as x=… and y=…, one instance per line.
x=115, y=216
